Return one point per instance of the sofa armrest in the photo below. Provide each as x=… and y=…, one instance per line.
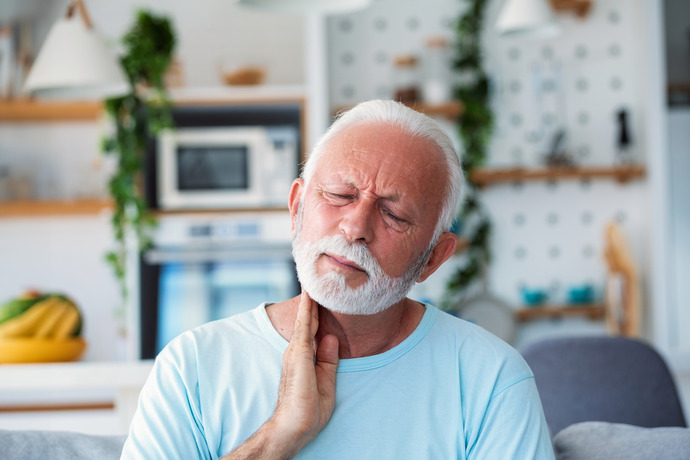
x=609, y=441
x=58, y=445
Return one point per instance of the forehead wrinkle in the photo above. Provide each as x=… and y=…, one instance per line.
x=352, y=178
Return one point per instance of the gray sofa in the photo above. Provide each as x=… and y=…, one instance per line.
x=58, y=445
x=581, y=441
x=614, y=441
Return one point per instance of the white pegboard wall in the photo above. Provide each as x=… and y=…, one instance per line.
x=546, y=236
x=362, y=45
x=578, y=81
x=551, y=235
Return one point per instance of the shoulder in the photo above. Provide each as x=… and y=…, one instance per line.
x=480, y=353
x=206, y=342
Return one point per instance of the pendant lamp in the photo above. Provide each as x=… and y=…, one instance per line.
x=307, y=6
x=75, y=61
x=533, y=18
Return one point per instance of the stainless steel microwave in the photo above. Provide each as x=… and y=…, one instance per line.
x=213, y=160
x=226, y=167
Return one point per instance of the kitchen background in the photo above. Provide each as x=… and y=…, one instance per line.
x=547, y=235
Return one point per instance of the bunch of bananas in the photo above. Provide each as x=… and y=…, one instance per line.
x=48, y=316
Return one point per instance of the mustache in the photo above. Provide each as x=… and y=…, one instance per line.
x=358, y=253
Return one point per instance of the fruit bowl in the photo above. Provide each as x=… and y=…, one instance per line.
x=33, y=350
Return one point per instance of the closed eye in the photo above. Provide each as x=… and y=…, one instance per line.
x=338, y=198
x=393, y=216
x=395, y=222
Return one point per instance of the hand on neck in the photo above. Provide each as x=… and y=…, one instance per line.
x=358, y=335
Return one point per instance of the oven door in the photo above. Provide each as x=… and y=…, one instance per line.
x=182, y=288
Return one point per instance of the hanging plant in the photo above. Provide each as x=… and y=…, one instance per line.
x=475, y=128
x=145, y=110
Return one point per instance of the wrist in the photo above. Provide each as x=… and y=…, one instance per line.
x=269, y=442
x=284, y=436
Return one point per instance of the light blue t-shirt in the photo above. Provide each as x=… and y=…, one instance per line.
x=450, y=390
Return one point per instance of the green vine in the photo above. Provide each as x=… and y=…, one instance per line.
x=475, y=128
x=144, y=110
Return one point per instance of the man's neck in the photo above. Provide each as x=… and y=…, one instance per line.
x=358, y=335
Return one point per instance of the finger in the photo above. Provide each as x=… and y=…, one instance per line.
x=327, y=367
x=303, y=323
x=314, y=323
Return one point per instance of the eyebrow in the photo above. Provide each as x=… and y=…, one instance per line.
x=348, y=182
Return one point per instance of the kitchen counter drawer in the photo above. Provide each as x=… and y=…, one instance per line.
x=89, y=397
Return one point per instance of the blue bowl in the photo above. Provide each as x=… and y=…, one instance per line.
x=534, y=297
x=581, y=294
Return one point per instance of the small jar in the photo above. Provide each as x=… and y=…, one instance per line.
x=406, y=81
x=436, y=84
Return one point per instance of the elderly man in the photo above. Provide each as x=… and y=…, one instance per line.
x=351, y=368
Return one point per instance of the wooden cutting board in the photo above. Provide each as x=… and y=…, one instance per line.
x=623, y=288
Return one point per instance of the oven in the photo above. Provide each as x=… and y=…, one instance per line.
x=209, y=266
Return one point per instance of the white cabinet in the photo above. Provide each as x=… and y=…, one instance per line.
x=87, y=397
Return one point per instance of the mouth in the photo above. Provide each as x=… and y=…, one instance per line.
x=342, y=261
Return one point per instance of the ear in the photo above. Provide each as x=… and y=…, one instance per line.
x=294, y=198
x=444, y=249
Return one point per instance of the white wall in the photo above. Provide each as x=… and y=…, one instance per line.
x=209, y=33
x=60, y=160
x=66, y=255
x=679, y=162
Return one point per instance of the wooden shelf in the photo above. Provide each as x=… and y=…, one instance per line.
x=622, y=174
x=32, y=110
x=450, y=110
x=678, y=93
x=40, y=208
x=580, y=8
x=679, y=87
x=172, y=212
x=593, y=312
x=89, y=206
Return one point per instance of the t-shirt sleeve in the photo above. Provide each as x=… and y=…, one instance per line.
x=514, y=426
x=168, y=421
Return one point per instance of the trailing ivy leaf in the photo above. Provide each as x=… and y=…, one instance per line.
x=474, y=128
x=149, y=46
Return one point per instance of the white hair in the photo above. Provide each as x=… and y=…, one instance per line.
x=413, y=123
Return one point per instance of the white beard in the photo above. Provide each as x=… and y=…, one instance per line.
x=330, y=290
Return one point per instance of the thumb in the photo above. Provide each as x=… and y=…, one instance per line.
x=327, y=353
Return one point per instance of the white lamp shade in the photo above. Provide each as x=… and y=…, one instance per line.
x=75, y=62
x=532, y=18
x=307, y=6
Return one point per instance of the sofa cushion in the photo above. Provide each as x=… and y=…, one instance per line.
x=611, y=441
x=58, y=445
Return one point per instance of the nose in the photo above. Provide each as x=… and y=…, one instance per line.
x=357, y=223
